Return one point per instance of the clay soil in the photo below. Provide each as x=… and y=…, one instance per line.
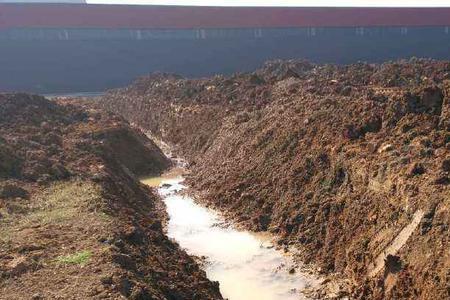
x=75, y=221
x=348, y=163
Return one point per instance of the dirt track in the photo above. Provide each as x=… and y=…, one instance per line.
x=339, y=161
x=75, y=221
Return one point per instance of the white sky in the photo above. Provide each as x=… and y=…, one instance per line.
x=371, y=3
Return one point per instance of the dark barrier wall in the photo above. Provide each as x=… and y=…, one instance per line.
x=75, y=65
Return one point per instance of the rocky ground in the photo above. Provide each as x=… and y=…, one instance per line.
x=350, y=163
x=75, y=221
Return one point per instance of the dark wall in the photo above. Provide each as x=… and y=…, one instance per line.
x=74, y=66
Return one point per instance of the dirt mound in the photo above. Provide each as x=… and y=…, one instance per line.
x=278, y=70
x=349, y=163
x=76, y=222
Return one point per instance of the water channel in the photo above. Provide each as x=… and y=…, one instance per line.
x=247, y=265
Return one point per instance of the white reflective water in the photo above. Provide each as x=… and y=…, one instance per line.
x=246, y=265
x=74, y=95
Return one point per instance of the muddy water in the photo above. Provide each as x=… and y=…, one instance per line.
x=246, y=265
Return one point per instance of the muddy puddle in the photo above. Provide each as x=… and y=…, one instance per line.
x=246, y=265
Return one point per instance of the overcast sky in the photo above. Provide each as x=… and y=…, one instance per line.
x=409, y=3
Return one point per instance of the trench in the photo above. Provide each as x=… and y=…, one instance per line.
x=246, y=265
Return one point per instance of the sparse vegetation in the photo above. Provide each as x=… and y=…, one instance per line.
x=5, y=237
x=62, y=201
x=68, y=194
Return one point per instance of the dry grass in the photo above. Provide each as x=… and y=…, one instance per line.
x=62, y=202
x=56, y=205
x=5, y=236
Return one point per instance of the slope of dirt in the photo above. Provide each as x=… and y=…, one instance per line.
x=349, y=163
x=75, y=221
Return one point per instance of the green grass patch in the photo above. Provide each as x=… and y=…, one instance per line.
x=79, y=258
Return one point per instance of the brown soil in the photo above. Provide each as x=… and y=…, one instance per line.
x=349, y=163
x=75, y=221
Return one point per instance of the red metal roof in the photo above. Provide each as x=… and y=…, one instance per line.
x=129, y=16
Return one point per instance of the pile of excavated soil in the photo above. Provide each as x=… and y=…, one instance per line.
x=349, y=163
x=75, y=221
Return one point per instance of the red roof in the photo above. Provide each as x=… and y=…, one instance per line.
x=129, y=16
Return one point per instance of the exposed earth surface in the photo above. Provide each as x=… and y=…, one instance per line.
x=348, y=167
x=75, y=221
x=349, y=164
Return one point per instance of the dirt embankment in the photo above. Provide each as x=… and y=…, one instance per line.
x=75, y=221
x=350, y=163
